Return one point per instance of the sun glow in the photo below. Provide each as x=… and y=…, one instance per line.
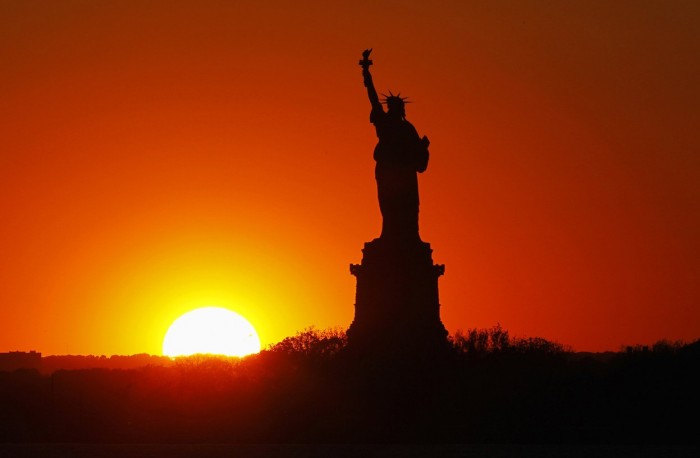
x=212, y=330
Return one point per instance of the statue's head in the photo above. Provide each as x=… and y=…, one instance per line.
x=395, y=104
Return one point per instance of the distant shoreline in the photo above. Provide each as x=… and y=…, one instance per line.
x=343, y=450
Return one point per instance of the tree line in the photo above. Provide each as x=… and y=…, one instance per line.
x=489, y=387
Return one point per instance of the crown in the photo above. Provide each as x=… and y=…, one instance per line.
x=392, y=99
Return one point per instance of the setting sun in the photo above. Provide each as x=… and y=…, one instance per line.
x=212, y=330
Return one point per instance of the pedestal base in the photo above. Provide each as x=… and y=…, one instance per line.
x=397, y=307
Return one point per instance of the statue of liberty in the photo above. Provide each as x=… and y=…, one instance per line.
x=397, y=304
x=400, y=154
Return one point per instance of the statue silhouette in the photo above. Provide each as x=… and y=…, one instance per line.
x=397, y=305
x=400, y=154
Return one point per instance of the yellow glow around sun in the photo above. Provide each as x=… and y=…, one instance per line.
x=212, y=330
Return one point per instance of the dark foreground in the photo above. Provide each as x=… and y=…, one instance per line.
x=308, y=389
x=341, y=451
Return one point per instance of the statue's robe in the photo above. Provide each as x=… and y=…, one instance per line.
x=399, y=154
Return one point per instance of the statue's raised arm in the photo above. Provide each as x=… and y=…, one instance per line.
x=369, y=84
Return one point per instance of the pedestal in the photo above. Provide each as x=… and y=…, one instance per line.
x=397, y=306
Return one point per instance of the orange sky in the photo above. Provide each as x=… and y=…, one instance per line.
x=158, y=156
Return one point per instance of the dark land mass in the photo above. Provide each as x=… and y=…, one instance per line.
x=344, y=451
x=488, y=388
x=47, y=365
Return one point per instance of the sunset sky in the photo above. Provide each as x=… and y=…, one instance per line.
x=158, y=156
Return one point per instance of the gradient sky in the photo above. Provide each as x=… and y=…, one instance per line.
x=163, y=155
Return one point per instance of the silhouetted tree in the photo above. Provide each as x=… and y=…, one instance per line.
x=313, y=343
x=496, y=340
